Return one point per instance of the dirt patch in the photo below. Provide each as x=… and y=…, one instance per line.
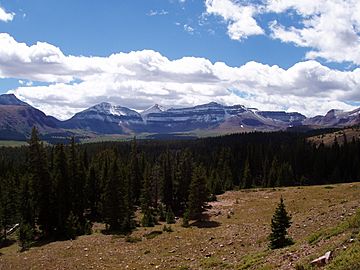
x=234, y=240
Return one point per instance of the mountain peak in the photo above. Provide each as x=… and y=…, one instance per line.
x=156, y=108
x=11, y=99
x=211, y=104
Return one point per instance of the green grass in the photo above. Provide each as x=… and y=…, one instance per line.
x=210, y=263
x=352, y=223
x=152, y=234
x=251, y=261
x=132, y=239
x=348, y=259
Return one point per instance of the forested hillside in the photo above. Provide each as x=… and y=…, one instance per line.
x=58, y=191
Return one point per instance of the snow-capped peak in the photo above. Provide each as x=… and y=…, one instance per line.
x=109, y=109
x=156, y=108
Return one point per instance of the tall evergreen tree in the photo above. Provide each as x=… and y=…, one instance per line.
x=135, y=173
x=280, y=222
x=246, y=177
x=167, y=181
x=93, y=194
x=182, y=179
x=40, y=179
x=113, y=204
x=27, y=213
x=148, y=219
x=197, y=194
x=77, y=184
x=62, y=203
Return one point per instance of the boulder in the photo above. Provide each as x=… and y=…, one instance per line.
x=321, y=261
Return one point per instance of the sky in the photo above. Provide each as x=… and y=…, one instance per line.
x=292, y=55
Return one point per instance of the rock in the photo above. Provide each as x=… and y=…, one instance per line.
x=86, y=249
x=208, y=255
x=221, y=245
x=321, y=261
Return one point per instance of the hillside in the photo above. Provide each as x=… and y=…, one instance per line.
x=234, y=238
x=329, y=138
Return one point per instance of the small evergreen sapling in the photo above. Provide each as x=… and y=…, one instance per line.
x=185, y=222
x=280, y=222
x=170, y=217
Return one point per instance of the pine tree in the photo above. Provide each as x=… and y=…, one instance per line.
x=41, y=183
x=182, y=179
x=135, y=173
x=62, y=202
x=93, y=192
x=113, y=204
x=280, y=222
x=27, y=215
x=145, y=197
x=8, y=204
x=77, y=183
x=273, y=173
x=246, y=177
x=185, y=222
x=148, y=219
x=167, y=181
x=197, y=194
x=170, y=217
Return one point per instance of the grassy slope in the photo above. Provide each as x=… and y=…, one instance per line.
x=238, y=242
x=328, y=138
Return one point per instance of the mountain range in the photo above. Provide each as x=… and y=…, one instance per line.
x=17, y=119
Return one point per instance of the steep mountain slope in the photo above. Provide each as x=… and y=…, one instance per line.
x=17, y=119
x=104, y=118
x=335, y=118
x=214, y=116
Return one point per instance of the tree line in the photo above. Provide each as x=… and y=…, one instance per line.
x=58, y=191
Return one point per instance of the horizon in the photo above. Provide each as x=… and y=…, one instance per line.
x=267, y=54
x=166, y=108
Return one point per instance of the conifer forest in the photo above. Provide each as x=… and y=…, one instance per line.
x=58, y=191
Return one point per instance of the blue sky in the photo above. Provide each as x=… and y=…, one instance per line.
x=257, y=40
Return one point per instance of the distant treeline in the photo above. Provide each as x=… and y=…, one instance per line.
x=56, y=192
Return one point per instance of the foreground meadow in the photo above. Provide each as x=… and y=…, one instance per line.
x=234, y=237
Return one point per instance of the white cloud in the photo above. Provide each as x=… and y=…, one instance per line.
x=157, y=12
x=239, y=17
x=331, y=28
x=141, y=78
x=189, y=29
x=6, y=16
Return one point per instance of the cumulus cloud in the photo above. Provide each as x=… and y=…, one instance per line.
x=331, y=28
x=6, y=16
x=141, y=78
x=239, y=17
